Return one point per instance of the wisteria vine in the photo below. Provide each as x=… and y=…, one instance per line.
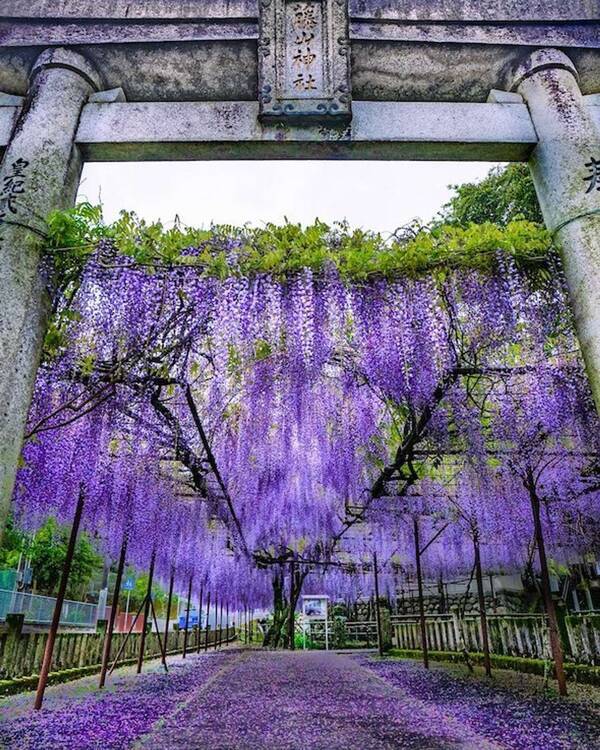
x=236, y=421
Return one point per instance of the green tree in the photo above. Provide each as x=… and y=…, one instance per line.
x=48, y=551
x=506, y=194
x=14, y=542
x=159, y=595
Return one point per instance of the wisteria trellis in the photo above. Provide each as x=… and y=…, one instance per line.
x=235, y=424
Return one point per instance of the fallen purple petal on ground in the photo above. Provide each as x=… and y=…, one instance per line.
x=514, y=721
x=112, y=719
x=261, y=700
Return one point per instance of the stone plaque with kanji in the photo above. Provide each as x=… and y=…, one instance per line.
x=304, y=65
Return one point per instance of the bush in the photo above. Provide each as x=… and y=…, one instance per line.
x=583, y=673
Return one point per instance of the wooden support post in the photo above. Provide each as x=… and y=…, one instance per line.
x=207, y=622
x=113, y=613
x=147, y=603
x=227, y=623
x=487, y=663
x=377, y=612
x=215, y=641
x=420, y=587
x=168, y=614
x=553, y=632
x=221, y=624
x=187, y=617
x=60, y=597
x=291, y=621
x=131, y=627
x=200, y=602
x=163, y=649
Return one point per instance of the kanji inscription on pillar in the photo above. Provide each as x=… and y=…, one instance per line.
x=304, y=60
x=593, y=178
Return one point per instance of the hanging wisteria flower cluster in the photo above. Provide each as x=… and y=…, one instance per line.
x=236, y=422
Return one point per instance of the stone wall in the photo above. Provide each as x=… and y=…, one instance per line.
x=503, y=602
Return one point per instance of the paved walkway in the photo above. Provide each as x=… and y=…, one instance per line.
x=255, y=700
x=306, y=701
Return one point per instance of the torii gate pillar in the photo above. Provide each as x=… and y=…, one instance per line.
x=39, y=173
x=565, y=166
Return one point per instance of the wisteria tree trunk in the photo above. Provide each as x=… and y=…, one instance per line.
x=295, y=591
x=290, y=640
x=280, y=612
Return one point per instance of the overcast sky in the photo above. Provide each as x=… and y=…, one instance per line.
x=372, y=195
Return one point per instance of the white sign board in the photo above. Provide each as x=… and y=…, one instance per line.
x=315, y=609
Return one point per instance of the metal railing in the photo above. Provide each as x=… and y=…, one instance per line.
x=38, y=610
x=362, y=631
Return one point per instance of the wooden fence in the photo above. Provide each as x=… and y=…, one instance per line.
x=21, y=652
x=510, y=635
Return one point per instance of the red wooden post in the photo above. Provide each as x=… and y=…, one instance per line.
x=482, y=614
x=187, y=618
x=207, y=623
x=146, y=613
x=168, y=616
x=553, y=632
x=216, y=640
x=163, y=648
x=200, y=602
x=60, y=597
x=420, y=586
x=221, y=624
x=377, y=612
x=291, y=621
x=126, y=639
x=113, y=613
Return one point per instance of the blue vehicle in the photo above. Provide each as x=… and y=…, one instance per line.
x=192, y=622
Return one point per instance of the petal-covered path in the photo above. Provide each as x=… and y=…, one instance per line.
x=253, y=700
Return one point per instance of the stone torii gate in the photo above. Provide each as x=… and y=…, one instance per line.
x=128, y=80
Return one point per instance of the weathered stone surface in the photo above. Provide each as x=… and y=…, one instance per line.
x=303, y=56
x=511, y=34
x=379, y=130
x=436, y=72
x=230, y=130
x=442, y=50
x=476, y=10
x=10, y=100
x=566, y=169
x=110, y=96
x=203, y=71
x=136, y=10
x=408, y=10
x=40, y=172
